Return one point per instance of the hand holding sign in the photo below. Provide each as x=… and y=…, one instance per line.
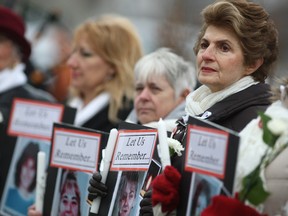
x=165, y=186
x=106, y=164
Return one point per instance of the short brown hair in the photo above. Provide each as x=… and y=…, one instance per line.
x=252, y=25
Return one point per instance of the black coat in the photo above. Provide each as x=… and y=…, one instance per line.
x=237, y=110
x=101, y=122
x=233, y=112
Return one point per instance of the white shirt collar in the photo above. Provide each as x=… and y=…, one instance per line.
x=83, y=114
x=11, y=78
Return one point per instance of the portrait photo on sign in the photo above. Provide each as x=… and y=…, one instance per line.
x=70, y=193
x=153, y=171
x=202, y=189
x=20, y=185
x=126, y=197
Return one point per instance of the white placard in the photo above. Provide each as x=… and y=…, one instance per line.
x=134, y=150
x=206, y=151
x=34, y=118
x=76, y=150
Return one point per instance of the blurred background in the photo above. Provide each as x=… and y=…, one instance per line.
x=171, y=23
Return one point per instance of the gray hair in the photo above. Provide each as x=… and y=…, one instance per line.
x=179, y=73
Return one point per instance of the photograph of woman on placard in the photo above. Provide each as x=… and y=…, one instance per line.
x=70, y=196
x=126, y=195
x=70, y=193
x=19, y=191
x=202, y=189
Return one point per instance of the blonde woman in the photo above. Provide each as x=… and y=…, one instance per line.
x=104, y=54
x=105, y=51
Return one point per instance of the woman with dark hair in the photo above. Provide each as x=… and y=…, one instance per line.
x=201, y=197
x=21, y=197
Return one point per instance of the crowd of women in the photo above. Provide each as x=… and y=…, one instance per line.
x=112, y=81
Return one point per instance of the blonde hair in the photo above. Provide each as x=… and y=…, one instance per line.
x=115, y=39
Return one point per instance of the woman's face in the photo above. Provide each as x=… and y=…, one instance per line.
x=89, y=70
x=69, y=205
x=127, y=198
x=28, y=173
x=220, y=60
x=154, y=99
x=7, y=53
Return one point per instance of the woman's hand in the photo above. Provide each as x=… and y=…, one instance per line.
x=96, y=188
x=146, y=204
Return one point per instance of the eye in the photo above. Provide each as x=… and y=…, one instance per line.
x=131, y=195
x=64, y=201
x=224, y=47
x=85, y=53
x=204, y=45
x=139, y=88
x=124, y=197
x=74, y=203
x=155, y=89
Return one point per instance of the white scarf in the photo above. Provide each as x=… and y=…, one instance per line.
x=84, y=113
x=202, y=98
x=10, y=78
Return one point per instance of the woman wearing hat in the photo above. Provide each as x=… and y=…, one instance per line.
x=14, y=52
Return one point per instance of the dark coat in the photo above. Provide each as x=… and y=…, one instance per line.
x=237, y=110
x=101, y=122
x=233, y=112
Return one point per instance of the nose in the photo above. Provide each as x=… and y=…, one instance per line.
x=72, y=60
x=126, y=201
x=68, y=207
x=144, y=94
x=208, y=54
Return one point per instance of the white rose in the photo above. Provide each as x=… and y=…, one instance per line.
x=277, y=126
x=251, y=149
x=175, y=145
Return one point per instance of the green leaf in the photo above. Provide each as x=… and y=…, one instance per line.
x=248, y=182
x=171, y=151
x=253, y=189
x=257, y=194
